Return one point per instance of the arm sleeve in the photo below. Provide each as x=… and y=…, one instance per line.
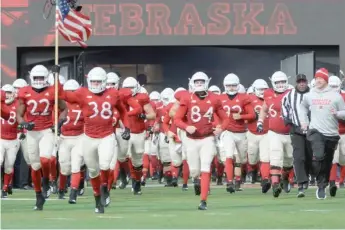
x=166, y=121
x=249, y=113
x=180, y=114
x=122, y=113
x=303, y=111
x=5, y=112
x=136, y=107
x=72, y=97
x=222, y=115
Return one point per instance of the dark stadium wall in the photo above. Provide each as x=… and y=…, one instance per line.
x=168, y=23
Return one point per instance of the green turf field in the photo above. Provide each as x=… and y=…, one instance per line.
x=161, y=207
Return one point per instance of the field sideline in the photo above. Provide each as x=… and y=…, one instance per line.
x=170, y=208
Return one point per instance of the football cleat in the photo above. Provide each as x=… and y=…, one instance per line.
x=202, y=205
x=265, y=185
x=277, y=189
x=160, y=177
x=61, y=194
x=174, y=182
x=143, y=181
x=230, y=187
x=137, y=188
x=46, y=191
x=285, y=184
x=81, y=188
x=9, y=190
x=184, y=187
x=238, y=186
x=40, y=200
x=300, y=193
x=105, y=196
x=197, y=187
x=332, y=188
x=53, y=187
x=73, y=196
x=99, y=207
x=220, y=180
x=123, y=179
x=3, y=194
x=321, y=193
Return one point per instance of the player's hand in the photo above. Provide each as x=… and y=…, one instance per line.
x=170, y=134
x=27, y=125
x=190, y=129
x=259, y=127
x=126, y=135
x=150, y=130
x=142, y=116
x=55, y=69
x=304, y=128
x=22, y=136
x=166, y=139
x=217, y=131
x=236, y=116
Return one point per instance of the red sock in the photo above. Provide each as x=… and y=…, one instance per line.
x=104, y=177
x=291, y=176
x=174, y=171
x=153, y=164
x=252, y=168
x=159, y=166
x=220, y=170
x=75, y=180
x=62, y=182
x=229, y=169
x=126, y=166
x=167, y=174
x=205, y=185
x=116, y=171
x=12, y=176
x=45, y=167
x=7, y=180
x=36, y=179
x=333, y=174
x=185, y=171
x=96, y=185
x=146, y=165
x=53, y=172
x=110, y=179
x=265, y=170
x=244, y=168
x=135, y=174
x=342, y=174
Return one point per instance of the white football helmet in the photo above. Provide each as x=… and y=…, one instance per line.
x=112, y=80
x=10, y=93
x=97, y=80
x=39, y=77
x=143, y=90
x=167, y=96
x=199, y=76
x=179, y=89
x=19, y=83
x=51, y=79
x=229, y=81
x=280, y=77
x=214, y=89
x=155, y=96
x=131, y=83
x=250, y=90
x=335, y=83
x=259, y=87
x=71, y=85
x=241, y=89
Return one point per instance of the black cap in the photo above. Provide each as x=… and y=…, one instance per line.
x=300, y=77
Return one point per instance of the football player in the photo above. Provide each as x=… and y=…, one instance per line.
x=199, y=109
x=9, y=143
x=99, y=143
x=239, y=110
x=258, y=142
x=339, y=154
x=136, y=144
x=280, y=148
x=113, y=80
x=34, y=113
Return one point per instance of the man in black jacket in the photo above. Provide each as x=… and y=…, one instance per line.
x=302, y=152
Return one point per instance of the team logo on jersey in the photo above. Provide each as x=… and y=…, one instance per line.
x=47, y=94
x=208, y=102
x=89, y=96
x=224, y=101
x=237, y=100
x=193, y=101
x=28, y=95
x=108, y=97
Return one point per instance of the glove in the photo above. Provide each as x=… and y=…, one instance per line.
x=142, y=116
x=60, y=124
x=287, y=122
x=150, y=130
x=55, y=69
x=27, y=125
x=22, y=136
x=126, y=135
x=259, y=127
x=166, y=139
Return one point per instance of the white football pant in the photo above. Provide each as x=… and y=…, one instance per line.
x=136, y=148
x=8, y=151
x=67, y=143
x=233, y=143
x=280, y=149
x=339, y=154
x=258, y=148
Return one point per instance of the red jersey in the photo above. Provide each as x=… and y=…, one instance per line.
x=252, y=124
x=200, y=114
x=39, y=106
x=238, y=104
x=9, y=126
x=98, y=110
x=74, y=125
x=180, y=95
x=150, y=123
x=116, y=119
x=136, y=124
x=341, y=122
x=274, y=104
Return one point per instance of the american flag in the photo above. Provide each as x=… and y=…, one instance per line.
x=72, y=25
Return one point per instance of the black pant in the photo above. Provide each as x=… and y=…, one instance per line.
x=302, y=157
x=323, y=151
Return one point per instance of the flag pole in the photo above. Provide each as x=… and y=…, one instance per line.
x=56, y=110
